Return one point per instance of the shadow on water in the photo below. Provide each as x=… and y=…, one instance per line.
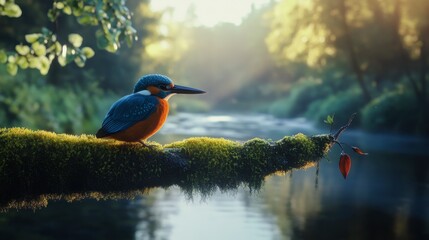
x=87, y=219
x=197, y=186
x=384, y=197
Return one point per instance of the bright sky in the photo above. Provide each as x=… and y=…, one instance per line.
x=209, y=12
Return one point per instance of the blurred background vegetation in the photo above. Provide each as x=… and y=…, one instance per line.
x=288, y=58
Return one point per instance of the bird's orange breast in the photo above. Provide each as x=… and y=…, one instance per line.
x=146, y=128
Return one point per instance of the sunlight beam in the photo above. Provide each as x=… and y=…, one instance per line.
x=206, y=12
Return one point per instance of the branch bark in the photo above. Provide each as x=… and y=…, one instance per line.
x=343, y=128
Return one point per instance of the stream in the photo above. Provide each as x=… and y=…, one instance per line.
x=385, y=196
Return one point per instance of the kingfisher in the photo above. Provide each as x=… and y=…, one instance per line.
x=138, y=116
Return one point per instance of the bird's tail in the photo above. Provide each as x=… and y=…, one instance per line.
x=101, y=133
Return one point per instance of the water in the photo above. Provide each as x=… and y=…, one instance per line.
x=386, y=195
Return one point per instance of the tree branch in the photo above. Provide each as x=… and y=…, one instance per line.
x=343, y=128
x=35, y=163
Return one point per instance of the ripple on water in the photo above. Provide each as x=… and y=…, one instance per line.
x=236, y=126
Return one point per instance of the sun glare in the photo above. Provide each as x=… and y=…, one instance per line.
x=208, y=12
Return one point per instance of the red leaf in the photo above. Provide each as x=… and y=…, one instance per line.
x=345, y=164
x=358, y=151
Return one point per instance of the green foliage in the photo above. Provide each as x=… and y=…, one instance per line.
x=113, y=18
x=68, y=99
x=39, y=106
x=329, y=119
x=299, y=98
x=116, y=72
x=345, y=36
x=3, y=56
x=40, y=162
x=10, y=9
x=342, y=104
x=394, y=111
x=42, y=48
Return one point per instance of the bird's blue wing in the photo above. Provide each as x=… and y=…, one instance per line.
x=127, y=111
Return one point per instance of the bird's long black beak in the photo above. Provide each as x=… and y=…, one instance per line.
x=185, y=90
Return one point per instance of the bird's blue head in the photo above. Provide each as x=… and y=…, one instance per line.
x=161, y=86
x=151, y=80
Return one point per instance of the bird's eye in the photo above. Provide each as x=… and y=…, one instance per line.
x=165, y=87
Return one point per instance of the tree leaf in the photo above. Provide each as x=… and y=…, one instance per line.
x=44, y=65
x=34, y=62
x=22, y=49
x=39, y=49
x=3, y=57
x=52, y=15
x=59, y=5
x=62, y=60
x=87, y=20
x=67, y=10
x=359, y=151
x=12, y=10
x=80, y=62
x=12, y=68
x=329, y=120
x=11, y=59
x=22, y=62
x=58, y=48
x=112, y=47
x=102, y=41
x=32, y=37
x=75, y=39
x=88, y=52
x=345, y=164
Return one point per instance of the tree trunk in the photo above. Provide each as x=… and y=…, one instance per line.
x=404, y=56
x=354, y=62
x=424, y=62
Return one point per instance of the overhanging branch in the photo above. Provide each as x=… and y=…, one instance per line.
x=39, y=162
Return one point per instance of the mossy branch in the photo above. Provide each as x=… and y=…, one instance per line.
x=39, y=162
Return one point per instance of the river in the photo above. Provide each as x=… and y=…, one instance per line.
x=385, y=196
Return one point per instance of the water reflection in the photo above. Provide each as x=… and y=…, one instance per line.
x=221, y=216
x=374, y=202
x=86, y=219
x=386, y=196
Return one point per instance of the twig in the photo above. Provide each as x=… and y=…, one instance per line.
x=343, y=128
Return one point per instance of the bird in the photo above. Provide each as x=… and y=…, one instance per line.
x=138, y=116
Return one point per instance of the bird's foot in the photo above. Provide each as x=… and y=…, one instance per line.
x=146, y=145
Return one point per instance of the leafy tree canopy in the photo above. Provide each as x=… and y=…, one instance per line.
x=377, y=41
x=40, y=49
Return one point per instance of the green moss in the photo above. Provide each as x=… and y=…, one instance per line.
x=296, y=149
x=39, y=162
